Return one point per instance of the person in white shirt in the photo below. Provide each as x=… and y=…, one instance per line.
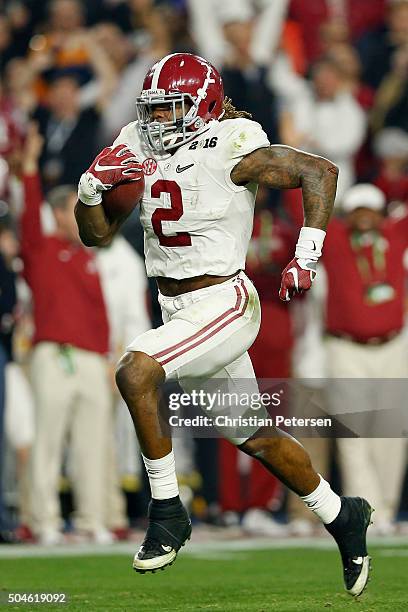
x=323, y=117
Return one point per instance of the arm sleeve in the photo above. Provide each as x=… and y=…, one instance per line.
x=32, y=236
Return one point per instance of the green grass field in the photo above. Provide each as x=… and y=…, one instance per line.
x=247, y=581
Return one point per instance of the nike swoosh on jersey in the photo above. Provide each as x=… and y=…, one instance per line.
x=182, y=168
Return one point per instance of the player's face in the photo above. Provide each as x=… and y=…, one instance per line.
x=364, y=219
x=164, y=112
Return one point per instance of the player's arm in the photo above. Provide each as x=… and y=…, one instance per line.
x=95, y=229
x=281, y=167
x=112, y=167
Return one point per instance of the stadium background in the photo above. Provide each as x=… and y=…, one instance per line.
x=327, y=76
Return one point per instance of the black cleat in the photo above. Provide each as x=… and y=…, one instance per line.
x=349, y=529
x=169, y=529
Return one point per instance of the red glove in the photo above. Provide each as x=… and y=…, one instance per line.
x=113, y=166
x=297, y=277
x=116, y=165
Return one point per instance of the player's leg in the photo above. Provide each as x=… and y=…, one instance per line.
x=197, y=325
x=345, y=518
x=139, y=377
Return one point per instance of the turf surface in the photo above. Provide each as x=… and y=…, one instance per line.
x=247, y=581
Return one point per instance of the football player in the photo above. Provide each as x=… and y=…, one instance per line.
x=202, y=161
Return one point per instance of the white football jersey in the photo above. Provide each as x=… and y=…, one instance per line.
x=196, y=220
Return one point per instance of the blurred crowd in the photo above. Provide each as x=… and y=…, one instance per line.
x=326, y=76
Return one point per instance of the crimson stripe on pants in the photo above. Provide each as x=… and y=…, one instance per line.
x=212, y=332
x=204, y=329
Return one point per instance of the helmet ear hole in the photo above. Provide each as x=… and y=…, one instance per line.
x=211, y=106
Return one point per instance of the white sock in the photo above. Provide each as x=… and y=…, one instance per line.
x=324, y=502
x=162, y=476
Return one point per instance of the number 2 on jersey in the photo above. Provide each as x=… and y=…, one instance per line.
x=174, y=213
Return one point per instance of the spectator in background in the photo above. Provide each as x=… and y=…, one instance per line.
x=377, y=48
x=363, y=258
x=68, y=46
x=69, y=125
x=21, y=23
x=19, y=88
x=19, y=405
x=7, y=305
x=332, y=34
x=70, y=133
x=391, y=99
x=324, y=118
x=246, y=81
x=128, y=317
x=357, y=16
x=346, y=58
x=69, y=366
x=177, y=20
x=265, y=19
x=130, y=69
x=61, y=45
x=391, y=148
x=148, y=28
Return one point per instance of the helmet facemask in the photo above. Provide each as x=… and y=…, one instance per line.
x=164, y=136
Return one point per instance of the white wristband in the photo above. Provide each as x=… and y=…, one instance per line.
x=88, y=191
x=310, y=243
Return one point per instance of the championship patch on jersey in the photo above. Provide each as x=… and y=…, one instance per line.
x=149, y=166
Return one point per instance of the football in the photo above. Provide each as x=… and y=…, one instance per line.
x=122, y=199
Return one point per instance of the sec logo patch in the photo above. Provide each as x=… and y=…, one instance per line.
x=149, y=166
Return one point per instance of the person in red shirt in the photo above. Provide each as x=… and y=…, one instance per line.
x=366, y=293
x=363, y=259
x=68, y=367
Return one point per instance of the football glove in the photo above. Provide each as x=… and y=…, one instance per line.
x=112, y=167
x=300, y=273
